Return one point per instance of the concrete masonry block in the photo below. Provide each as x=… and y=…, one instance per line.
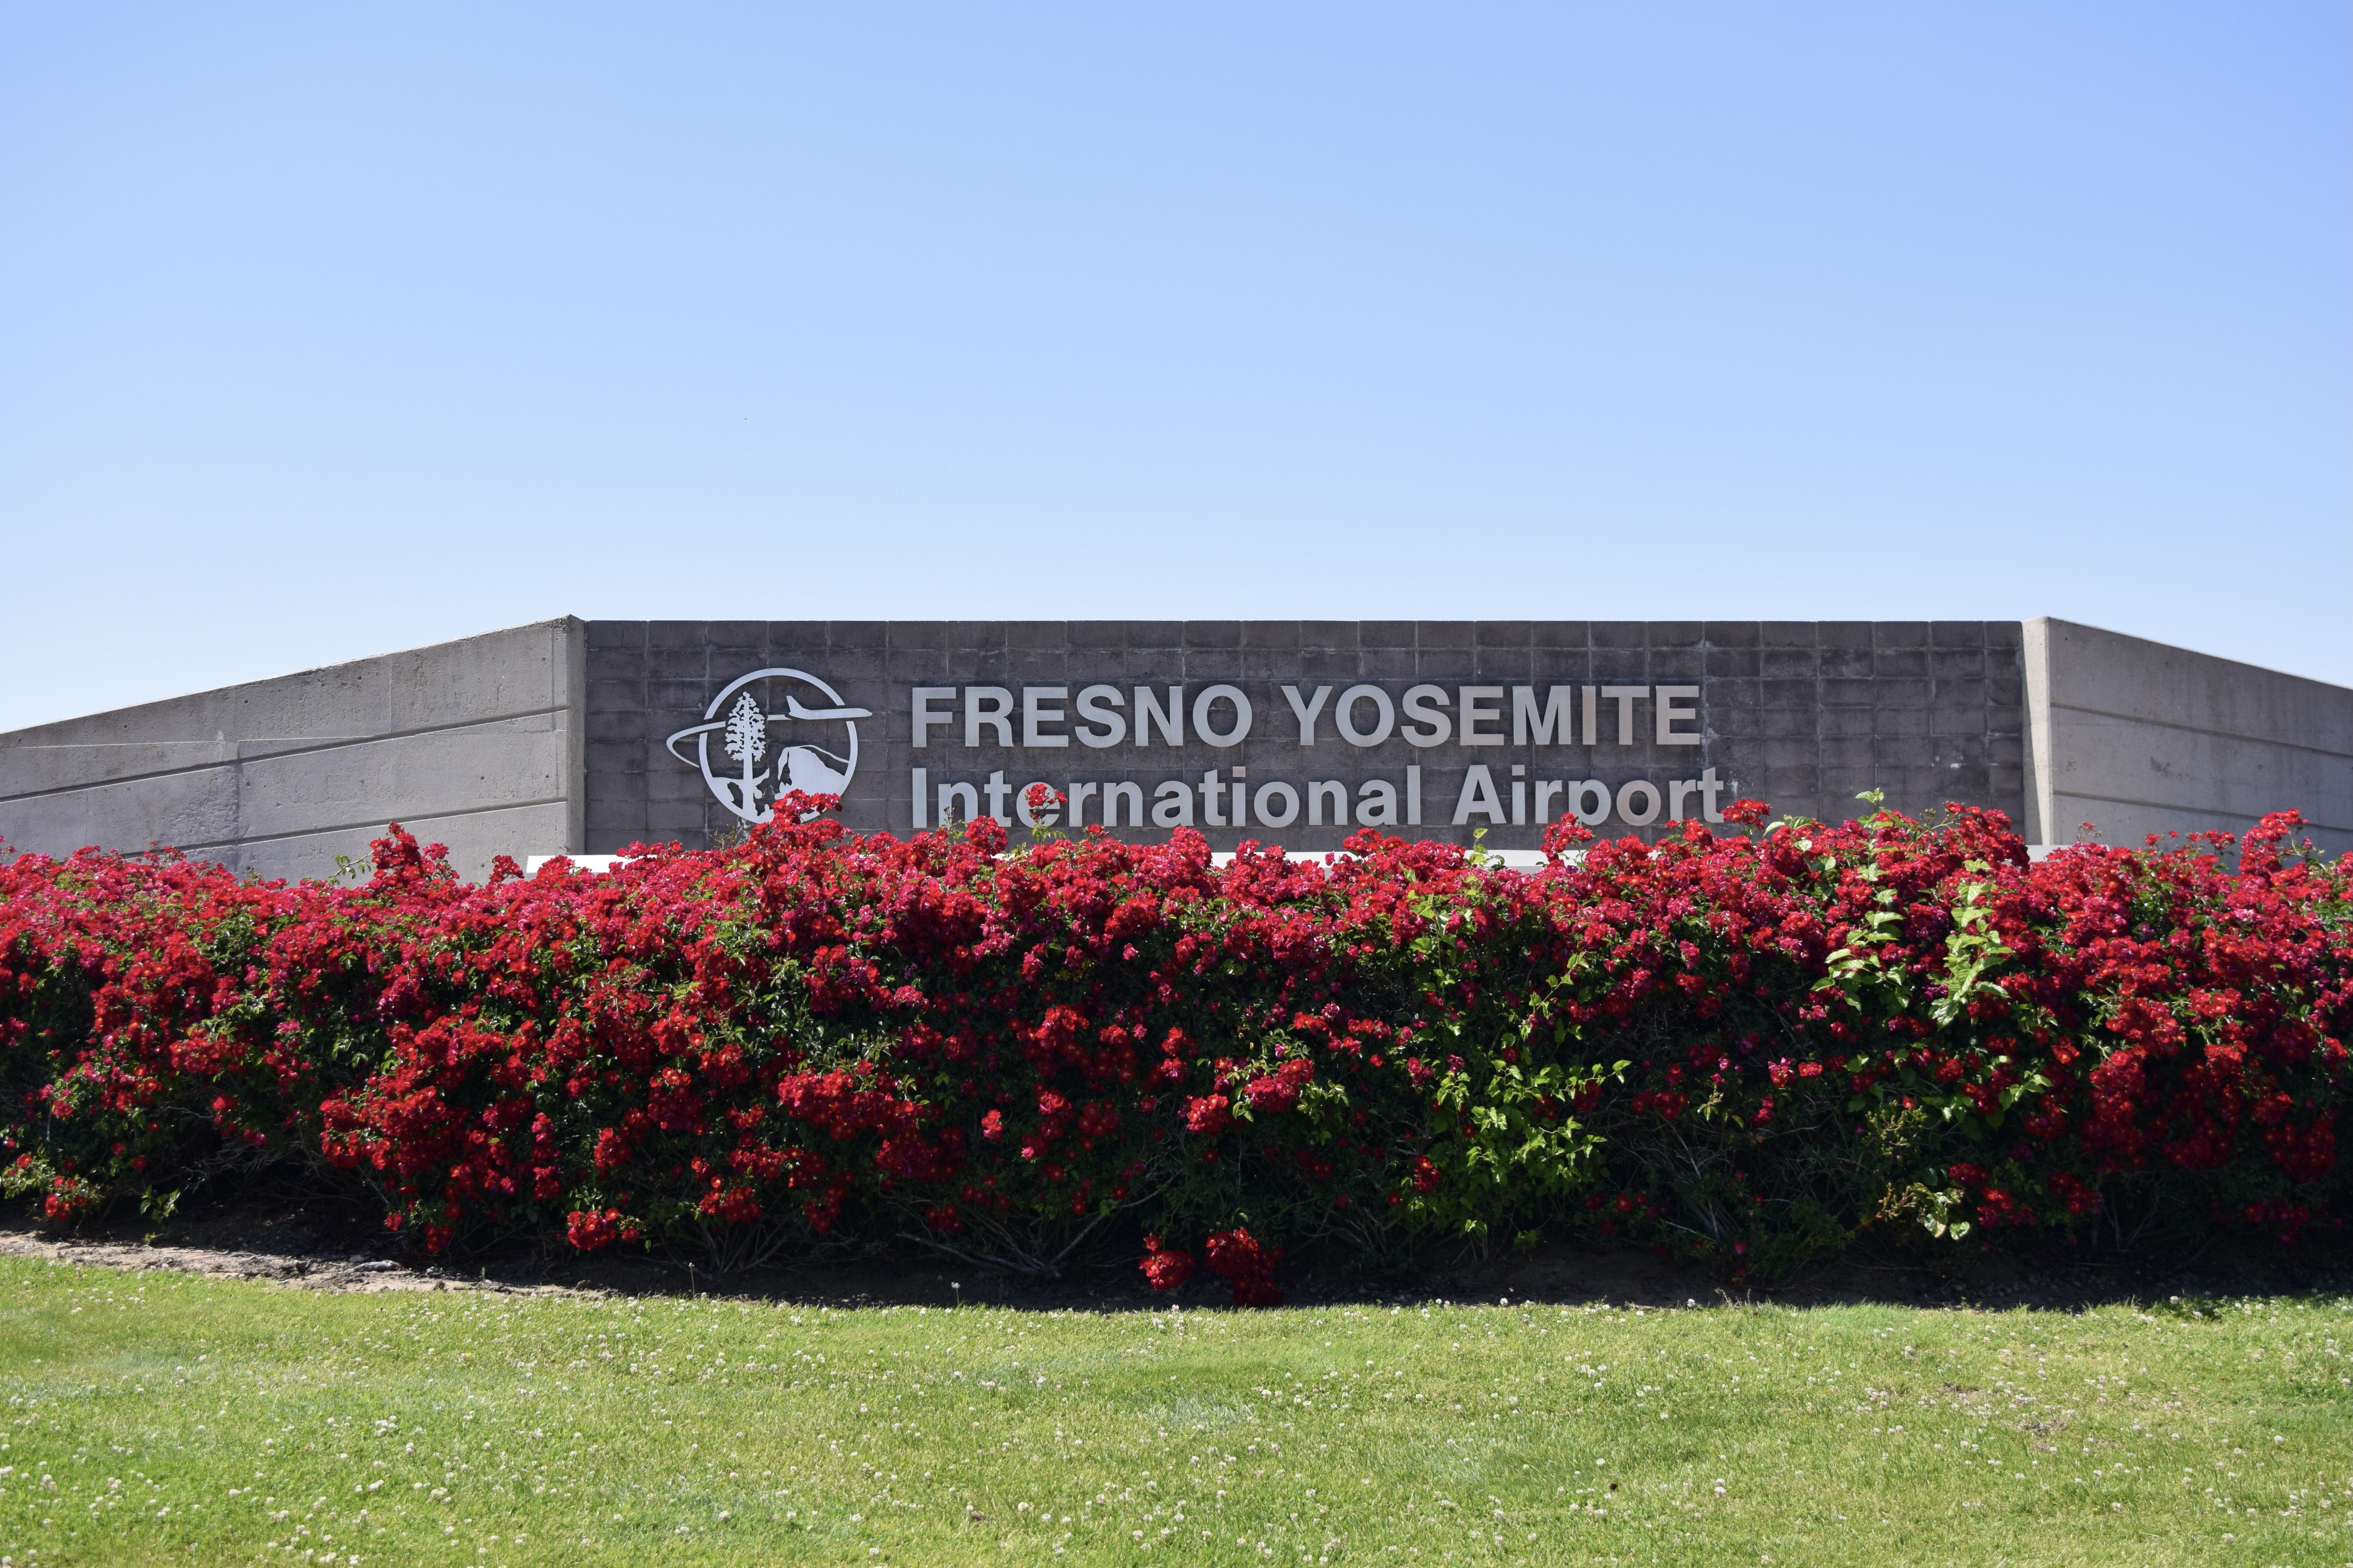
x=911, y=667
x=1956, y=664
x=1918, y=792
x=1900, y=661
x=1966, y=782
x=1379, y=665
x=1845, y=663
x=1682, y=665
x=751, y=634
x=1213, y=664
x=1275, y=636
x=1777, y=787
x=1900, y=693
x=1327, y=635
x=1446, y=666
x=1855, y=635
x=1850, y=693
x=615, y=662
x=864, y=638
x=1850, y=752
x=1035, y=666
x=973, y=636
x=616, y=726
x=974, y=666
x=695, y=663
x=610, y=828
x=917, y=637
x=612, y=695
x=1723, y=695
x=1512, y=666
x=1318, y=665
x=1054, y=636
x=1961, y=703
x=1270, y=665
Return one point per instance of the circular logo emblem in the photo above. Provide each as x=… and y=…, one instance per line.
x=767, y=733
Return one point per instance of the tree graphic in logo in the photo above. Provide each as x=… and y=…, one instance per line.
x=818, y=754
x=748, y=742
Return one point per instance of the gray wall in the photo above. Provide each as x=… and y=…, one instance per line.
x=1801, y=714
x=2137, y=737
x=550, y=736
x=474, y=744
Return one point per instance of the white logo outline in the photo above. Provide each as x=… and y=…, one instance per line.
x=807, y=768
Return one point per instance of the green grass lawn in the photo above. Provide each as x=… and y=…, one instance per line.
x=155, y=1417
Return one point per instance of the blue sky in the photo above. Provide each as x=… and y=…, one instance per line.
x=329, y=330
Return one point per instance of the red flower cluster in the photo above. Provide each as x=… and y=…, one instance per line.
x=1235, y=1257
x=1748, y=1045
x=1166, y=1267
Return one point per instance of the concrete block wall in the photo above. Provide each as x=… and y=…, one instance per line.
x=549, y=737
x=476, y=744
x=2137, y=737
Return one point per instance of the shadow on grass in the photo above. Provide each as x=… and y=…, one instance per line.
x=279, y=1228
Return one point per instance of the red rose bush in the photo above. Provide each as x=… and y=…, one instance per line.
x=1745, y=1045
